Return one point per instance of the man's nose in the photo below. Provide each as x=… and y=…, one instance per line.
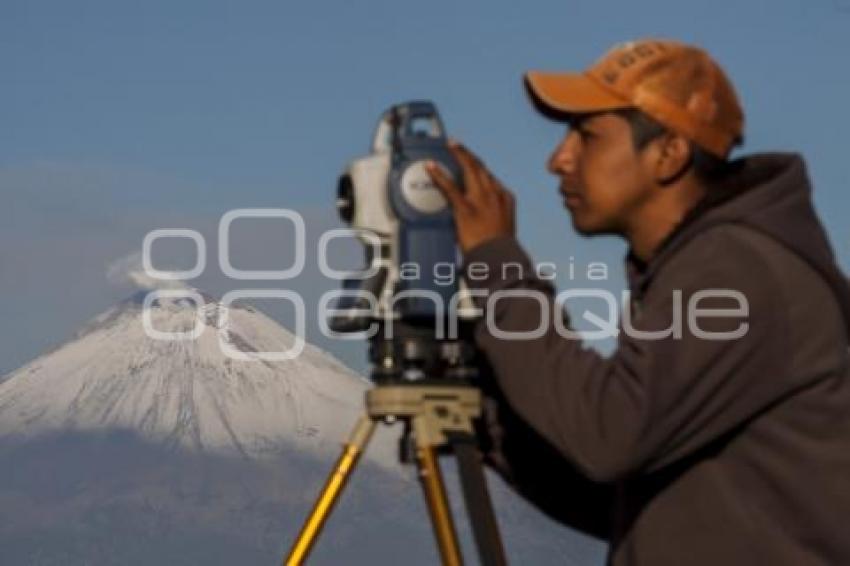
x=563, y=159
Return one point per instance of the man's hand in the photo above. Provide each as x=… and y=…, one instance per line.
x=485, y=210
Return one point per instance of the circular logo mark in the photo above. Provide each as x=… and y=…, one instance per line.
x=419, y=190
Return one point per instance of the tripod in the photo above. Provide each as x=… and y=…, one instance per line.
x=438, y=416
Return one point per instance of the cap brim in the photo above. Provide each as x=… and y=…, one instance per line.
x=560, y=94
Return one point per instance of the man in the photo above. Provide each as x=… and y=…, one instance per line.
x=725, y=441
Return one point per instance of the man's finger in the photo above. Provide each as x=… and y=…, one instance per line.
x=485, y=185
x=471, y=170
x=446, y=185
x=508, y=198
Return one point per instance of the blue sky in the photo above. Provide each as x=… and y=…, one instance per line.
x=122, y=117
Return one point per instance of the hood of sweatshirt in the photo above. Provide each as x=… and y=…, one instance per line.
x=770, y=193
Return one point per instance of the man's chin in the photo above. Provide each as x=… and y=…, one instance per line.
x=585, y=228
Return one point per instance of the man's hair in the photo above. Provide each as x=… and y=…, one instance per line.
x=707, y=166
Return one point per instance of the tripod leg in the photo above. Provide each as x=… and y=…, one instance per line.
x=330, y=492
x=478, y=503
x=438, y=505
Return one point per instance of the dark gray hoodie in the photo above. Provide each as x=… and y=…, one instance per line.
x=680, y=449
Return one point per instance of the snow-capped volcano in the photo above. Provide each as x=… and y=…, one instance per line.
x=118, y=448
x=187, y=392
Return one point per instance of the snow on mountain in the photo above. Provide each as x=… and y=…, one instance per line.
x=117, y=448
x=189, y=393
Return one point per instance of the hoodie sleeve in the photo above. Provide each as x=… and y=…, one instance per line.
x=539, y=473
x=660, y=396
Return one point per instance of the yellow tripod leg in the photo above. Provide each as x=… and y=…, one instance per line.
x=438, y=505
x=336, y=481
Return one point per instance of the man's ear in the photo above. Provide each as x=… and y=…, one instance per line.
x=672, y=158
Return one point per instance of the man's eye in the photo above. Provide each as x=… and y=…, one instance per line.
x=583, y=133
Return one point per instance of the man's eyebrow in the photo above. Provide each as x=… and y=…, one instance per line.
x=575, y=121
x=579, y=121
x=580, y=124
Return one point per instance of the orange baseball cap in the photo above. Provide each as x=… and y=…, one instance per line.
x=678, y=85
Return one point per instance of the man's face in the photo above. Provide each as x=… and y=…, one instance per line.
x=604, y=180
